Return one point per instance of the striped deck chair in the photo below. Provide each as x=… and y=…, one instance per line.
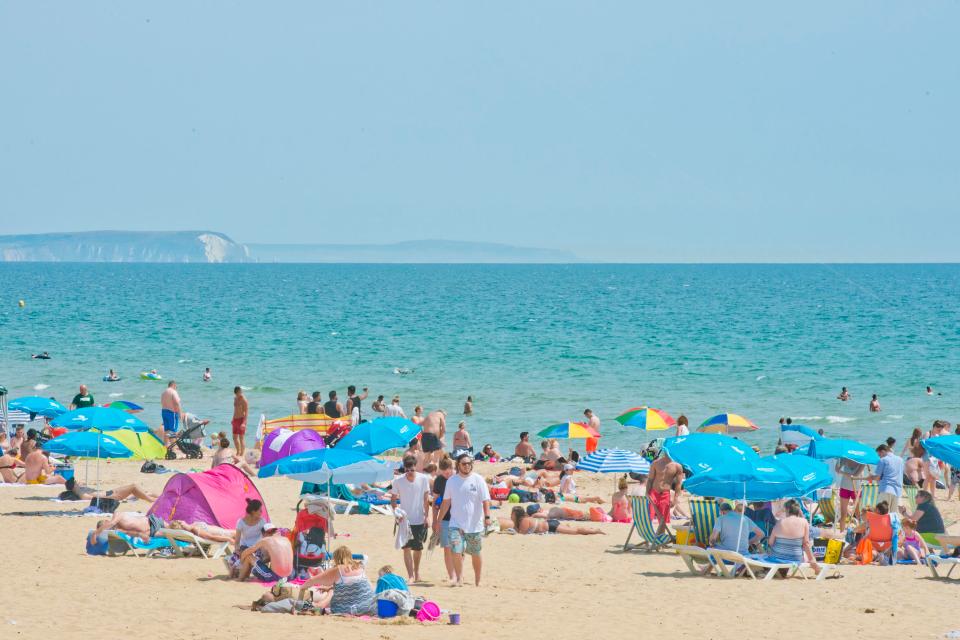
x=703, y=515
x=867, y=498
x=827, y=507
x=643, y=525
x=909, y=498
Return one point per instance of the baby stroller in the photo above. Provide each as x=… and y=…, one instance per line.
x=185, y=439
x=311, y=530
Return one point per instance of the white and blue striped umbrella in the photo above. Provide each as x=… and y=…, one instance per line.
x=614, y=461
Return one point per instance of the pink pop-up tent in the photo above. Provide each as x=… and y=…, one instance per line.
x=284, y=442
x=217, y=496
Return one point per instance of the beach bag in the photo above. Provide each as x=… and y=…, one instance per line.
x=148, y=467
x=832, y=555
x=104, y=505
x=549, y=496
x=865, y=551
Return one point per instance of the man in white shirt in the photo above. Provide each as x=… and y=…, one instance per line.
x=467, y=499
x=394, y=410
x=412, y=491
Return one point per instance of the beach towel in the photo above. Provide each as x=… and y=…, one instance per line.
x=402, y=527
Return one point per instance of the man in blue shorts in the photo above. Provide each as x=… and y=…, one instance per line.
x=170, y=411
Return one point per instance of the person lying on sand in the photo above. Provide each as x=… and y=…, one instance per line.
x=8, y=465
x=523, y=524
x=132, y=524
x=77, y=492
x=556, y=513
x=39, y=470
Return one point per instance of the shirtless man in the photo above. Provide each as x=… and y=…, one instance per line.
x=593, y=421
x=239, y=422
x=29, y=445
x=19, y=437
x=844, y=395
x=524, y=449
x=120, y=493
x=39, y=470
x=275, y=547
x=130, y=523
x=170, y=411
x=434, y=429
x=8, y=464
x=665, y=476
x=874, y=404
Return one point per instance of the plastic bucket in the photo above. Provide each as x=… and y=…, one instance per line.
x=387, y=609
x=684, y=535
x=429, y=612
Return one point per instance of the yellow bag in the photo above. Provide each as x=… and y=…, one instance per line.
x=834, y=547
x=684, y=535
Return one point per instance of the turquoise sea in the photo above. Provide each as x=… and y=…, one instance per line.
x=533, y=344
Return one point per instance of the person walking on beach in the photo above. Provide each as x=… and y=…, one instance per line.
x=874, y=404
x=170, y=411
x=467, y=499
x=434, y=428
x=83, y=399
x=665, y=476
x=593, y=421
x=239, y=423
x=889, y=473
x=332, y=407
x=412, y=491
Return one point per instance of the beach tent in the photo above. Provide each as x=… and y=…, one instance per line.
x=145, y=445
x=284, y=442
x=217, y=496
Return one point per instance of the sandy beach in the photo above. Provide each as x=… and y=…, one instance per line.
x=543, y=586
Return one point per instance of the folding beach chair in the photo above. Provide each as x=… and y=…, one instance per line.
x=867, y=497
x=194, y=545
x=703, y=515
x=698, y=561
x=938, y=563
x=826, y=507
x=643, y=525
x=909, y=498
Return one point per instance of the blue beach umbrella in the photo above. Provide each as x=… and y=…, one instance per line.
x=377, y=436
x=321, y=466
x=761, y=479
x=827, y=448
x=38, y=406
x=702, y=451
x=87, y=444
x=797, y=434
x=614, y=461
x=946, y=448
x=100, y=417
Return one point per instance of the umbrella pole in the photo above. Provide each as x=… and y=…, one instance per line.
x=97, y=503
x=742, y=517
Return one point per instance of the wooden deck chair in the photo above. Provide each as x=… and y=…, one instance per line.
x=866, y=498
x=643, y=525
x=194, y=545
x=826, y=507
x=698, y=561
x=703, y=515
x=939, y=563
x=909, y=498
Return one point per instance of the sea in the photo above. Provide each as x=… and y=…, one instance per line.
x=534, y=345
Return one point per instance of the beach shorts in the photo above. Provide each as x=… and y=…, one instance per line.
x=892, y=500
x=418, y=535
x=552, y=526
x=847, y=494
x=239, y=426
x=262, y=572
x=171, y=420
x=429, y=442
x=462, y=542
x=660, y=505
x=38, y=480
x=156, y=523
x=445, y=534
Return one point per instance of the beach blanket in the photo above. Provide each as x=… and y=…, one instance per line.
x=53, y=514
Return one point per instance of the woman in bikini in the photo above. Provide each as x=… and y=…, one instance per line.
x=524, y=524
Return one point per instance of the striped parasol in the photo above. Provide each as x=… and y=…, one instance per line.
x=646, y=418
x=727, y=423
x=568, y=430
x=614, y=461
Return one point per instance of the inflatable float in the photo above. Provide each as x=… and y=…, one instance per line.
x=149, y=375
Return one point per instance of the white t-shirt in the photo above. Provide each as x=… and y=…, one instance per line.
x=682, y=430
x=250, y=534
x=466, y=496
x=394, y=411
x=568, y=485
x=411, y=496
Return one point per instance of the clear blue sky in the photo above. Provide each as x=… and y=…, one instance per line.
x=706, y=131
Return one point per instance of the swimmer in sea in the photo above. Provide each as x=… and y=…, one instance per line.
x=112, y=376
x=844, y=395
x=207, y=375
x=40, y=356
x=874, y=404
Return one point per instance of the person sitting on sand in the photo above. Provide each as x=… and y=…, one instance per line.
x=205, y=531
x=524, y=449
x=877, y=528
x=488, y=454
x=927, y=518
x=17, y=439
x=911, y=545
x=130, y=523
x=621, y=510
x=461, y=440
x=8, y=465
x=568, y=487
x=29, y=445
x=77, y=492
x=347, y=590
x=790, y=539
x=550, y=458
x=269, y=560
x=523, y=524
x=39, y=470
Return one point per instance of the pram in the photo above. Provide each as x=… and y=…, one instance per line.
x=185, y=439
x=310, y=532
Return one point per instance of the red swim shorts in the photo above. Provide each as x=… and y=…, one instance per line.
x=847, y=494
x=239, y=426
x=660, y=505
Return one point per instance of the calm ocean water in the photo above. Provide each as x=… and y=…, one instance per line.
x=534, y=345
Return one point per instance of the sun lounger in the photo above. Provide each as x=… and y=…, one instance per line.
x=938, y=563
x=185, y=543
x=703, y=515
x=698, y=561
x=643, y=525
x=119, y=543
x=727, y=562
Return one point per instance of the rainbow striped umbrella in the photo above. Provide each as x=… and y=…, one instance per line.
x=568, y=430
x=727, y=423
x=125, y=405
x=646, y=418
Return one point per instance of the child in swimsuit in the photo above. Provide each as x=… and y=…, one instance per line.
x=912, y=546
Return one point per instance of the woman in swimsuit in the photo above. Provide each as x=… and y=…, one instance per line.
x=790, y=539
x=621, y=511
x=348, y=590
x=524, y=524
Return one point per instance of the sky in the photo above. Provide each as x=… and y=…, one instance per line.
x=705, y=131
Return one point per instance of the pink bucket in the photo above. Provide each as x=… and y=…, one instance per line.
x=429, y=612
